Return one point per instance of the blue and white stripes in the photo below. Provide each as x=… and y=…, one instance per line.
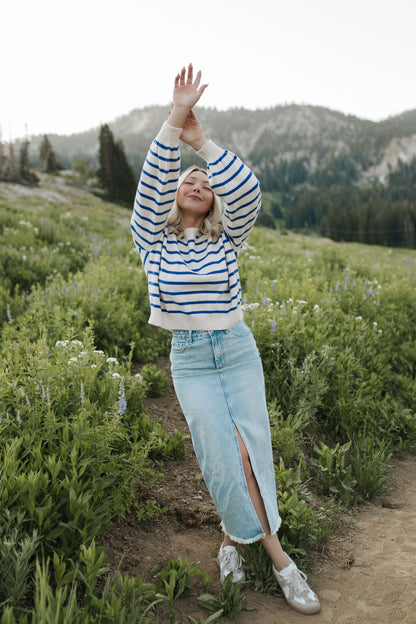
x=193, y=282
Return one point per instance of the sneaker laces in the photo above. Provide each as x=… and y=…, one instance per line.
x=297, y=584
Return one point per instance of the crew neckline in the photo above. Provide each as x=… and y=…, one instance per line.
x=190, y=231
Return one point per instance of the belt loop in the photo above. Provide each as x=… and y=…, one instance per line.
x=189, y=335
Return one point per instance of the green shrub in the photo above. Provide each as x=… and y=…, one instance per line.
x=370, y=463
x=229, y=602
x=304, y=525
x=287, y=435
x=333, y=477
x=155, y=380
x=72, y=445
x=17, y=550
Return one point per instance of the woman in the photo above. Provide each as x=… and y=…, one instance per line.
x=189, y=229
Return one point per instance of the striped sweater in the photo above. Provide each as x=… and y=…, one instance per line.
x=193, y=282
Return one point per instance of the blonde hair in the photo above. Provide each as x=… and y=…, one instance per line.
x=211, y=225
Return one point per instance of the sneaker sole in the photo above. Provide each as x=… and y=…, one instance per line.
x=317, y=610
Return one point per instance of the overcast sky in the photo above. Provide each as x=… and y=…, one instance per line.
x=69, y=66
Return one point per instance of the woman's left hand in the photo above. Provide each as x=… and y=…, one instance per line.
x=192, y=132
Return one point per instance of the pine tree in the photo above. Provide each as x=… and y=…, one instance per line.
x=25, y=173
x=49, y=162
x=115, y=174
x=11, y=166
x=3, y=161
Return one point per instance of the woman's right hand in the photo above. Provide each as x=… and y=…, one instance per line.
x=186, y=91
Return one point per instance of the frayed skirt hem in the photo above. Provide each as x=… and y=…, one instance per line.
x=250, y=540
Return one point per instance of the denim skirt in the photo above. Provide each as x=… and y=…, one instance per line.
x=219, y=382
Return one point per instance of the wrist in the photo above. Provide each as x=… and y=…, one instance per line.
x=178, y=115
x=197, y=144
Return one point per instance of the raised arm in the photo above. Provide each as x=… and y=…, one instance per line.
x=159, y=177
x=231, y=179
x=239, y=189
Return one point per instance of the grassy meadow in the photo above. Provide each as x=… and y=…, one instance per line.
x=335, y=327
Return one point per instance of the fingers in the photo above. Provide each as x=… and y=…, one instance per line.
x=183, y=78
x=202, y=89
x=190, y=73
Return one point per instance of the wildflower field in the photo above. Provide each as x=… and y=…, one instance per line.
x=335, y=325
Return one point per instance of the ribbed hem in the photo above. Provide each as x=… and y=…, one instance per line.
x=250, y=540
x=210, y=151
x=195, y=322
x=168, y=135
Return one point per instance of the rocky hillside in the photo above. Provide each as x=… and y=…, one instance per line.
x=313, y=139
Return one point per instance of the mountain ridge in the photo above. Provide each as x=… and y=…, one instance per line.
x=264, y=138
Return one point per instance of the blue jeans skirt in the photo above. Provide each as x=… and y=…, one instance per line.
x=219, y=382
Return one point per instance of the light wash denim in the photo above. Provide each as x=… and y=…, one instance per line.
x=218, y=379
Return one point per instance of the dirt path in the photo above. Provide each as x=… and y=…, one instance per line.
x=364, y=576
x=367, y=575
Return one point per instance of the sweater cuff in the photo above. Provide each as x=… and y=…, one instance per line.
x=210, y=152
x=168, y=135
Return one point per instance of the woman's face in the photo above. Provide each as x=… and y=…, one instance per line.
x=195, y=199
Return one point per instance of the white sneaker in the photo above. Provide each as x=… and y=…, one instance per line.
x=296, y=591
x=230, y=562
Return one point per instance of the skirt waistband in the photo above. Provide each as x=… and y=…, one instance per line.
x=189, y=334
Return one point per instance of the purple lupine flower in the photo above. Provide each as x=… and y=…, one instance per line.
x=122, y=403
x=273, y=326
x=82, y=394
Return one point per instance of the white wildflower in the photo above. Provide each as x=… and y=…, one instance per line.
x=111, y=360
x=116, y=375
